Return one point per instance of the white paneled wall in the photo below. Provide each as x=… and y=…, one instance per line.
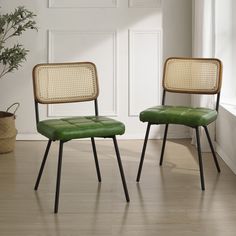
x=123, y=38
x=144, y=64
x=145, y=3
x=75, y=45
x=82, y=3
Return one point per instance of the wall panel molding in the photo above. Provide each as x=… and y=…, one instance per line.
x=145, y=69
x=97, y=44
x=145, y=3
x=82, y=3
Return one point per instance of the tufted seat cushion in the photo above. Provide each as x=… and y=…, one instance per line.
x=188, y=116
x=80, y=127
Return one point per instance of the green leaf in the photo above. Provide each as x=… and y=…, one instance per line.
x=13, y=25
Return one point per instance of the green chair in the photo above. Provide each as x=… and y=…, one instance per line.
x=66, y=83
x=191, y=76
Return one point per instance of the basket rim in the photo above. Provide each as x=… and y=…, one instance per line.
x=5, y=114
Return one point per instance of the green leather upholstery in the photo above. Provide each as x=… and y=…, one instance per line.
x=188, y=116
x=80, y=127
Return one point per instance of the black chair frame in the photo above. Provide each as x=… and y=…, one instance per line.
x=198, y=145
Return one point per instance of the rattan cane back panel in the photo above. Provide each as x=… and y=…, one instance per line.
x=65, y=82
x=193, y=75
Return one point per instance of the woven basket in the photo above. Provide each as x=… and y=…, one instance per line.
x=8, y=130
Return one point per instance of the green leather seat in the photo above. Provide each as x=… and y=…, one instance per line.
x=80, y=127
x=188, y=116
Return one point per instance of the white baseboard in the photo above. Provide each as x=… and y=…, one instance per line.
x=30, y=137
x=229, y=162
x=171, y=135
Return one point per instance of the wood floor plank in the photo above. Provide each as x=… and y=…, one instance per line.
x=167, y=201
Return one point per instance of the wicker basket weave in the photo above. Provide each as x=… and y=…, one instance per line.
x=7, y=130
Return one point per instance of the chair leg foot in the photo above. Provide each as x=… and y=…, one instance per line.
x=212, y=149
x=96, y=160
x=163, y=145
x=121, y=169
x=42, y=165
x=143, y=153
x=58, y=177
x=200, y=159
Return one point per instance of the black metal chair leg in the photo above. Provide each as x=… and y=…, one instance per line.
x=96, y=160
x=143, y=152
x=121, y=169
x=212, y=149
x=58, y=177
x=42, y=164
x=200, y=159
x=163, y=145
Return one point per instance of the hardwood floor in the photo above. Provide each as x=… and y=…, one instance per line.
x=167, y=201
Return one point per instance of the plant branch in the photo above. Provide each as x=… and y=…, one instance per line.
x=13, y=25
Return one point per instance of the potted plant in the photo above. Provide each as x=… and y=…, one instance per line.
x=12, y=55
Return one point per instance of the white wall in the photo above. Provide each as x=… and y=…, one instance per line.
x=225, y=24
x=174, y=18
x=226, y=135
x=177, y=41
x=225, y=50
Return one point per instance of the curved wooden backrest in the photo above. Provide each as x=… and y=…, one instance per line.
x=65, y=82
x=192, y=75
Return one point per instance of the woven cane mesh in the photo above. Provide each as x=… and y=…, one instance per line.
x=192, y=75
x=65, y=82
